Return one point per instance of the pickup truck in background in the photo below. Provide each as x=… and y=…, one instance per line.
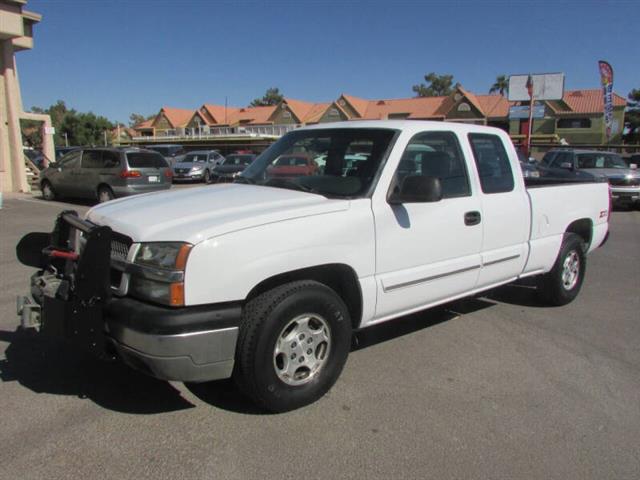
x=269, y=285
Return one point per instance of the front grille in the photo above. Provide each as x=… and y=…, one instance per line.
x=182, y=170
x=120, y=245
x=625, y=182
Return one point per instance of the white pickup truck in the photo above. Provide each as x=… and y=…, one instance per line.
x=335, y=227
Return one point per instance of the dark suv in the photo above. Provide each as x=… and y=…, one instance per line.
x=105, y=173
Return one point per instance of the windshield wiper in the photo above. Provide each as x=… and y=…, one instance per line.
x=290, y=184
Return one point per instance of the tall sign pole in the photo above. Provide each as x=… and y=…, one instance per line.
x=530, y=126
x=606, y=79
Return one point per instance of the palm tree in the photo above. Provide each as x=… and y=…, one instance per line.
x=501, y=85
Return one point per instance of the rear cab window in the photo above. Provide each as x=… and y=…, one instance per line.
x=492, y=162
x=146, y=160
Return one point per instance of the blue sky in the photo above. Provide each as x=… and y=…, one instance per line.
x=118, y=57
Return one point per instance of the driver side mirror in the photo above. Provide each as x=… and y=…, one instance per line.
x=567, y=165
x=417, y=189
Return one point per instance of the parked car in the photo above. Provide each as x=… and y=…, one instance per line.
x=105, y=173
x=197, y=165
x=172, y=153
x=293, y=165
x=578, y=164
x=268, y=286
x=632, y=160
x=232, y=166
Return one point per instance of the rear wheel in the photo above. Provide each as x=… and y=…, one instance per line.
x=293, y=344
x=562, y=284
x=105, y=194
x=47, y=191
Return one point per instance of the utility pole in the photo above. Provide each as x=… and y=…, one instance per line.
x=66, y=140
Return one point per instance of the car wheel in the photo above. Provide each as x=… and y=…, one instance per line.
x=47, y=191
x=207, y=177
x=294, y=341
x=562, y=284
x=105, y=194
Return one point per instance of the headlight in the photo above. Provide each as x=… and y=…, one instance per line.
x=157, y=273
x=168, y=255
x=197, y=168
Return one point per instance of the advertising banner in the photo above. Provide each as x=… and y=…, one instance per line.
x=606, y=79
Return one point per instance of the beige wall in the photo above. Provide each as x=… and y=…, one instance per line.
x=329, y=115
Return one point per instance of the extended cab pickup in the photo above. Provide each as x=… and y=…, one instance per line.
x=266, y=278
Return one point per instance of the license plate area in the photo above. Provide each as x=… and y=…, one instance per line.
x=153, y=179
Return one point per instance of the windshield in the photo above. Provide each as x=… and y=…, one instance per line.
x=332, y=162
x=238, y=159
x=600, y=160
x=195, y=158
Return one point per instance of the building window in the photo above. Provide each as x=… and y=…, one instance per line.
x=286, y=114
x=574, y=123
x=464, y=107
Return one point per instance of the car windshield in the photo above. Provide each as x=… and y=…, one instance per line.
x=238, y=159
x=195, y=158
x=146, y=160
x=340, y=163
x=600, y=160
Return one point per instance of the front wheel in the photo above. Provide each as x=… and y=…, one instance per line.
x=293, y=344
x=562, y=284
x=207, y=177
x=47, y=191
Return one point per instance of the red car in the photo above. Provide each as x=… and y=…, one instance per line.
x=294, y=165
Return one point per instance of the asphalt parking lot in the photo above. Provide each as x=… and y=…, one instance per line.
x=491, y=387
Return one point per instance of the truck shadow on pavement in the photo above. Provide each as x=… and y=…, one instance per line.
x=48, y=366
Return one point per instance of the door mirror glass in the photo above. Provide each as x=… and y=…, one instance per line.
x=566, y=165
x=417, y=189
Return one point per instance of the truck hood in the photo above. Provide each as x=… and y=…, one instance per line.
x=614, y=172
x=196, y=214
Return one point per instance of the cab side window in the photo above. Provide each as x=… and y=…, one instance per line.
x=492, y=163
x=110, y=159
x=436, y=154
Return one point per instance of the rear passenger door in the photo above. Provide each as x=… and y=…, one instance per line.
x=88, y=176
x=427, y=252
x=505, y=208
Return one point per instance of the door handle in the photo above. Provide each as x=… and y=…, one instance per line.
x=472, y=218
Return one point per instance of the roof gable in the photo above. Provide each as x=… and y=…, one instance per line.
x=177, y=117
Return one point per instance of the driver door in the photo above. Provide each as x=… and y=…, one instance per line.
x=427, y=252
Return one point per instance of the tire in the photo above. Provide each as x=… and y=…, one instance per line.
x=304, y=322
x=47, y=191
x=207, y=177
x=105, y=194
x=562, y=284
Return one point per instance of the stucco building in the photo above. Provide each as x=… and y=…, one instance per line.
x=16, y=34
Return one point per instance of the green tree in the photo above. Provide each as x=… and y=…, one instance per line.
x=271, y=97
x=632, y=117
x=501, y=85
x=85, y=128
x=437, y=86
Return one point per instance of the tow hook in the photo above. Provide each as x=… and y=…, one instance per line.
x=28, y=311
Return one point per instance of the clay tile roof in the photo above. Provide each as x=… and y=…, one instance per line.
x=494, y=105
x=299, y=108
x=177, y=117
x=218, y=113
x=416, y=108
x=316, y=112
x=255, y=115
x=145, y=124
x=472, y=99
x=359, y=104
x=588, y=101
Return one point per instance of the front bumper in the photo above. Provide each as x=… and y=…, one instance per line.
x=625, y=194
x=190, y=344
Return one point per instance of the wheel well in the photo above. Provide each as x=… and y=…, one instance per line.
x=103, y=185
x=339, y=277
x=583, y=228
